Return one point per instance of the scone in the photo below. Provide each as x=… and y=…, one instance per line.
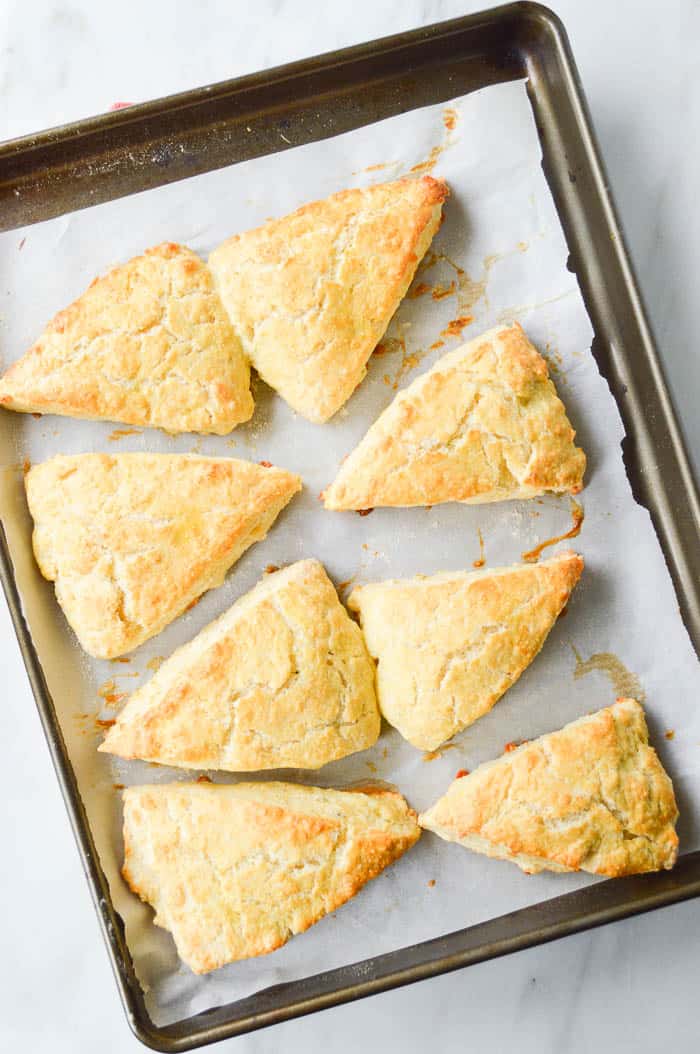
x=484, y=424
x=281, y=680
x=310, y=295
x=147, y=344
x=449, y=645
x=131, y=540
x=234, y=871
x=593, y=797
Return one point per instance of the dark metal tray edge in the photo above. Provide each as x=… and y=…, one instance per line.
x=656, y=486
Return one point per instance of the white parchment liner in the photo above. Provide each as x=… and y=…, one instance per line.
x=501, y=227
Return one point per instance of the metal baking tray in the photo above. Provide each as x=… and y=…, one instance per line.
x=158, y=142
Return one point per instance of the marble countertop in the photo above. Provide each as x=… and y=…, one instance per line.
x=628, y=986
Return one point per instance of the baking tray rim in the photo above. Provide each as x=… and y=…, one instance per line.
x=560, y=916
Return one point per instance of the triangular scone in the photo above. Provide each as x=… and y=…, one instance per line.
x=234, y=871
x=131, y=540
x=148, y=344
x=593, y=797
x=484, y=424
x=310, y=295
x=449, y=645
x=281, y=680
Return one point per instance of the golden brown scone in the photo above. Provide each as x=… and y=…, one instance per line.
x=593, y=797
x=449, y=645
x=131, y=540
x=148, y=344
x=234, y=871
x=310, y=295
x=484, y=424
x=281, y=680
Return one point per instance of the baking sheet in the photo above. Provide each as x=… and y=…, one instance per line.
x=501, y=228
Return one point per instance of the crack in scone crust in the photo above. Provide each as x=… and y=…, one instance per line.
x=235, y=871
x=281, y=680
x=469, y=637
x=484, y=424
x=592, y=796
x=148, y=344
x=132, y=539
x=311, y=295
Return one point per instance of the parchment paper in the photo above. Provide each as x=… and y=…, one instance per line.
x=502, y=229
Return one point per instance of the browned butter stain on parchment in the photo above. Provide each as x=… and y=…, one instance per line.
x=554, y=361
x=482, y=557
x=428, y=261
x=423, y=167
x=433, y=755
x=625, y=683
x=109, y=693
x=388, y=345
x=409, y=359
x=577, y=515
x=471, y=290
x=418, y=290
x=456, y=325
x=379, y=167
x=439, y=292
x=468, y=289
x=408, y=363
x=119, y=433
x=92, y=723
x=450, y=118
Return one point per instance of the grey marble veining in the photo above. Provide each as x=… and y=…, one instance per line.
x=632, y=986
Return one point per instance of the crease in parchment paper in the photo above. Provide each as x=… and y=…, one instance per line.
x=501, y=212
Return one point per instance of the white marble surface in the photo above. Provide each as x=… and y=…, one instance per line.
x=631, y=986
